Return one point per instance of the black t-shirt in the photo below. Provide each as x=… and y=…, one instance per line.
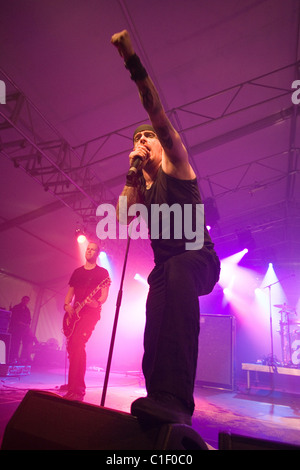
x=20, y=316
x=169, y=190
x=85, y=281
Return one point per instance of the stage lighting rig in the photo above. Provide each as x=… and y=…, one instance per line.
x=80, y=235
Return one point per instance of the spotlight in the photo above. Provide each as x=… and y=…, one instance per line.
x=271, y=279
x=103, y=256
x=236, y=258
x=227, y=293
x=104, y=261
x=139, y=278
x=81, y=238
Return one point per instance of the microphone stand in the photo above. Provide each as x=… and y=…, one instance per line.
x=118, y=305
x=272, y=362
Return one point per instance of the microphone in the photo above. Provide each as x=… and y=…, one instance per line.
x=135, y=166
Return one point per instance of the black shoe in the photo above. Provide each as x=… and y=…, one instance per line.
x=161, y=408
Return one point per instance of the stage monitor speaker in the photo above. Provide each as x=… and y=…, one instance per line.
x=45, y=421
x=228, y=441
x=215, y=366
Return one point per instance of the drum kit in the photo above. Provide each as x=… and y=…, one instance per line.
x=290, y=335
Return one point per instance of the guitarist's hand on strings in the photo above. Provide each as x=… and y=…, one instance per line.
x=69, y=309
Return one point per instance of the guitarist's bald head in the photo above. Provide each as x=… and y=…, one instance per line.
x=96, y=244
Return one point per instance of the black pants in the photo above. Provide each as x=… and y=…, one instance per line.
x=173, y=323
x=76, y=350
x=25, y=336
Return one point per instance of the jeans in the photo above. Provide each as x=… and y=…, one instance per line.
x=76, y=350
x=173, y=322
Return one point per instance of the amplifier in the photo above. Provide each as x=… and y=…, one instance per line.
x=216, y=352
x=5, y=316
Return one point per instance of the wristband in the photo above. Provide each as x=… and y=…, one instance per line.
x=136, y=69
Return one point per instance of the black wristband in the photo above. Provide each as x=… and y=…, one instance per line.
x=136, y=69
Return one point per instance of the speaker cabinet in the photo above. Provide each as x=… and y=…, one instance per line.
x=45, y=421
x=215, y=366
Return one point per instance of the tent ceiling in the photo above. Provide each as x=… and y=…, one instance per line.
x=224, y=72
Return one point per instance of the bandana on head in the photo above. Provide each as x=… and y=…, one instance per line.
x=143, y=127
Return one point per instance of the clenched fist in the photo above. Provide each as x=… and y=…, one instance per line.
x=123, y=43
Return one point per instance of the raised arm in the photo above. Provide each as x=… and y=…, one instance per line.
x=175, y=158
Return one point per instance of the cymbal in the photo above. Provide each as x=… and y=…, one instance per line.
x=285, y=307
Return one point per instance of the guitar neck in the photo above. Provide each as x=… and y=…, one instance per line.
x=92, y=294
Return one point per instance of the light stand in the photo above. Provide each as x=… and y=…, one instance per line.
x=269, y=287
x=272, y=363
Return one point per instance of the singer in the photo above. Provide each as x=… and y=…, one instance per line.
x=163, y=175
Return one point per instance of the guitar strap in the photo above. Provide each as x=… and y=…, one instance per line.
x=88, y=289
x=89, y=280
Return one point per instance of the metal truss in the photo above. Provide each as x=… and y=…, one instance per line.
x=71, y=174
x=35, y=146
x=226, y=105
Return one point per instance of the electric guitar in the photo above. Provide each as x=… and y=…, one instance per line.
x=70, y=319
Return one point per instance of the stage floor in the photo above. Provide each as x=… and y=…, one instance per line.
x=259, y=413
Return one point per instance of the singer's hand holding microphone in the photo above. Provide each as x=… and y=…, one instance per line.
x=136, y=159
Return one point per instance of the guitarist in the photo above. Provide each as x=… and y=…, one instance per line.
x=83, y=281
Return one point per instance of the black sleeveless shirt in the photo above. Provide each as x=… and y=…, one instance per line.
x=185, y=195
